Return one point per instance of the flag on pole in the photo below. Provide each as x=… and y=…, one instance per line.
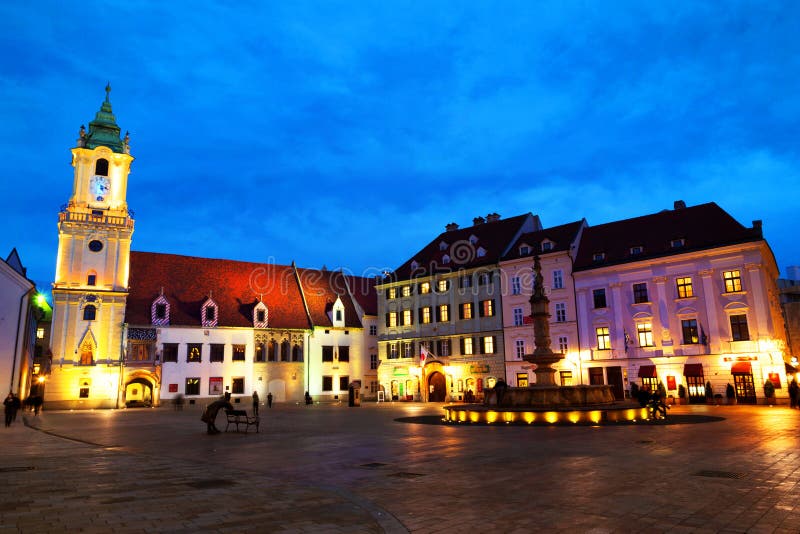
x=424, y=353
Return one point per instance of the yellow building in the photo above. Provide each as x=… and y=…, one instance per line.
x=91, y=279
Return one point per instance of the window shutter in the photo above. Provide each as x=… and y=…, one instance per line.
x=387, y=319
x=460, y=311
x=494, y=309
x=419, y=311
x=438, y=346
x=494, y=344
x=387, y=294
x=480, y=309
x=481, y=347
x=438, y=314
x=461, y=344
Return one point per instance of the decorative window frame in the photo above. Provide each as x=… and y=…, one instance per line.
x=209, y=303
x=260, y=306
x=338, y=306
x=154, y=320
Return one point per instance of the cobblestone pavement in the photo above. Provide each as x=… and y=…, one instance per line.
x=329, y=468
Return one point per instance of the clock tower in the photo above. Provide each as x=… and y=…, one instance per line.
x=91, y=280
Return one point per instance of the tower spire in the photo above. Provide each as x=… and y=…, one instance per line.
x=103, y=130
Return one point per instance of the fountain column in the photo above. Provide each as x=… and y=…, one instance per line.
x=543, y=357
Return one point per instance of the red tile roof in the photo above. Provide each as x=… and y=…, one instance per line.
x=494, y=237
x=561, y=236
x=701, y=227
x=235, y=287
x=363, y=291
x=321, y=288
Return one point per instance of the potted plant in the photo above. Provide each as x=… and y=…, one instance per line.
x=769, y=392
x=730, y=394
x=681, y=394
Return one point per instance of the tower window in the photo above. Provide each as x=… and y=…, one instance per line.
x=101, y=167
x=95, y=245
x=91, y=279
x=89, y=313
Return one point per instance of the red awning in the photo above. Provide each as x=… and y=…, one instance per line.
x=647, y=371
x=741, y=368
x=693, y=369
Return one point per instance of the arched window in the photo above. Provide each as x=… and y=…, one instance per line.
x=297, y=353
x=89, y=313
x=101, y=167
x=272, y=352
x=286, y=355
x=91, y=278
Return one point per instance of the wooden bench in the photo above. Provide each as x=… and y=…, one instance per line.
x=240, y=417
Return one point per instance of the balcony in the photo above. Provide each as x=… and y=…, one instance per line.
x=98, y=217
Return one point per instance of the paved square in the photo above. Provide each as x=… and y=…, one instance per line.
x=330, y=468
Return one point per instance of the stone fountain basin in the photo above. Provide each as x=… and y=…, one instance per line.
x=550, y=397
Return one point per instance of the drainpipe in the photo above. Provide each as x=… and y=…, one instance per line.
x=16, y=340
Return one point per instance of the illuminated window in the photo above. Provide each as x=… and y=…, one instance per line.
x=442, y=286
x=599, y=297
x=406, y=291
x=83, y=391
x=424, y=288
x=561, y=312
x=486, y=308
x=519, y=348
x=391, y=319
x=327, y=353
x=192, y=386
x=272, y=351
x=465, y=310
x=392, y=350
x=516, y=287
x=684, y=284
x=640, y=293
x=260, y=354
x=327, y=383
x=488, y=344
x=739, y=331
x=467, y=347
x=425, y=315
x=603, y=338
x=558, y=279
x=522, y=380
x=650, y=383
x=237, y=386
x=238, y=353
x=563, y=344
x=193, y=352
x=89, y=313
x=217, y=352
x=391, y=293
x=645, y=333
x=689, y=328
x=518, y=318
x=407, y=317
x=733, y=281
x=443, y=311
x=139, y=351
x=40, y=333
x=566, y=378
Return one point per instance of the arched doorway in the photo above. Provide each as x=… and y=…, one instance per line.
x=139, y=393
x=437, y=387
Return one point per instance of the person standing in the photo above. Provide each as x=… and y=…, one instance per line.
x=210, y=413
x=793, y=391
x=255, y=403
x=10, y=409
x=269, y=400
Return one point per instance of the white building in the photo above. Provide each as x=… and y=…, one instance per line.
x=17, y=327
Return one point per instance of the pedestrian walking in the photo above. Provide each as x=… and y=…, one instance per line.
x=793, y=391
x=17, y=405
x=9, y=409
x=255, y=403
x=210, y=413
x=269, y=400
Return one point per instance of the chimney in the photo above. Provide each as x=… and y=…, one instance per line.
x=492, y=217
x=757, y=226
x=478, y=220
x=450, y=227
x=680, y=205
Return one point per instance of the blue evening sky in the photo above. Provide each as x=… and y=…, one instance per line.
x=349, y=133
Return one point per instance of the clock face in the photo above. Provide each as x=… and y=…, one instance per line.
x=99, y=187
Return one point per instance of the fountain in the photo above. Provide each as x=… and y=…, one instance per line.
x=545, y=402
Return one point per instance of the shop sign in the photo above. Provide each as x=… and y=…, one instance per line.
x=475, y=369
x=671, y=382
x=400, y=371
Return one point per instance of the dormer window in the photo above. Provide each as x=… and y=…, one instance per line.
x=414, y=265
x=260, y=315
x=473, y=239
x=101, y=167
x=598, y=256
x=636, y=251
x=547, y=245
x=159, y=311
x=481, y=252
x=677, y=243
x=524, y=250
x=443, y=246
x=337, y=315
x=445, y=259
x=208, y=313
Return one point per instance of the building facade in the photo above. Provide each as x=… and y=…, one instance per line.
x=684, y=297
x=441, y=334
x=17, y=326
